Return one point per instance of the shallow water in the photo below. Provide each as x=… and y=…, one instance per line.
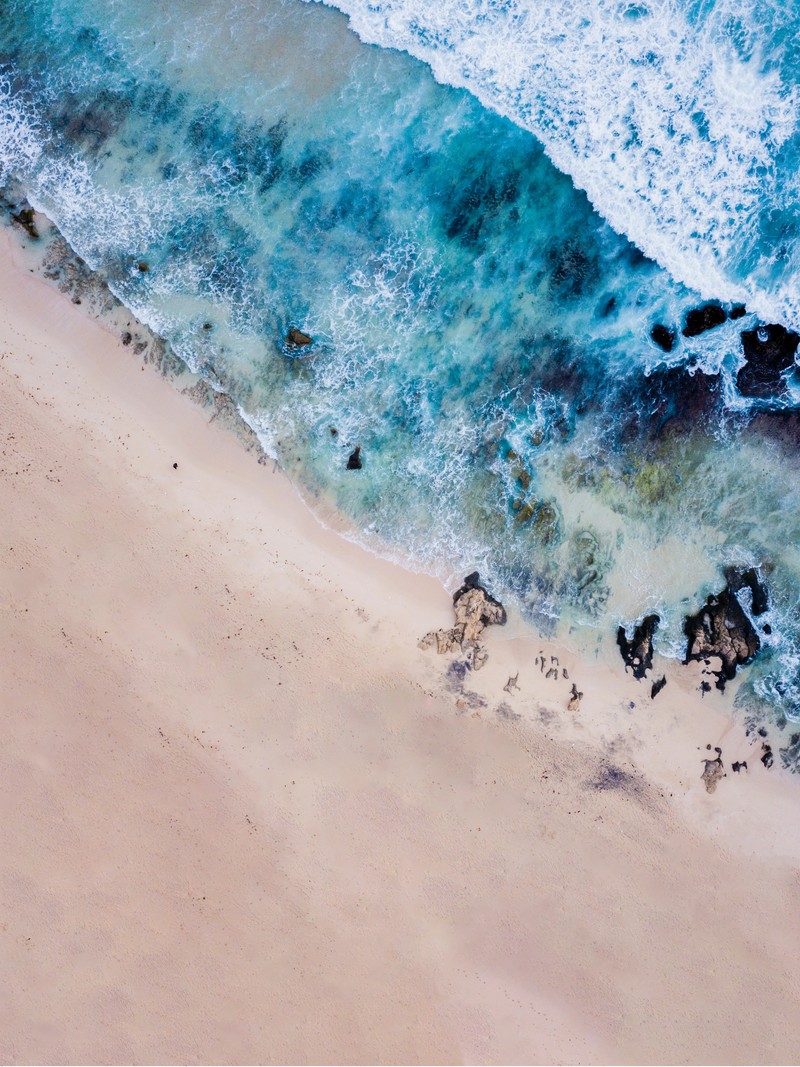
x=236, y=169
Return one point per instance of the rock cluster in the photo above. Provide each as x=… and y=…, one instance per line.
x=722, y=628
x=475, y=609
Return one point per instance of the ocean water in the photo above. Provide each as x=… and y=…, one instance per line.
x=478, y=211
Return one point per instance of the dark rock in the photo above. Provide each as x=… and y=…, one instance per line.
x=492, y=611
x=297, y=339
x=143, y=266
x=713, y=772
x=658, y=685
x=767, y=758
x=669, y=399
x=354, y=460
x=638, y=651
x=25, y=218
x=748, y=579
x=738, y=311
x=739, y=766
x=127, y=337
x=475, y=609
x=703, y=318
x=722, y=628
x=208, y=325
x=663, y=336
x=769, y=351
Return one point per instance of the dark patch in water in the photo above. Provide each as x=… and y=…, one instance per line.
x=90, y=124
x=669, y=397
x=573, y=270
x=663, y=336
x=706, y=317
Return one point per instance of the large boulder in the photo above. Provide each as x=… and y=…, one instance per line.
x=475, y=609
x=637, y=652
x=722, y=628
x=769, y=351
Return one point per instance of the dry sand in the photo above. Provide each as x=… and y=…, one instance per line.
x=245, y=819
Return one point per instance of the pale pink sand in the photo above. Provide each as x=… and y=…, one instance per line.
x=244, y=820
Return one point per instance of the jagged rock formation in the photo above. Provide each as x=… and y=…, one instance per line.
x=354, y=462
x=475, y=609
x=722, y=627
x=638, y=651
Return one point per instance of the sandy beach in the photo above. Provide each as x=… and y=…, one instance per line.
x=246, y=819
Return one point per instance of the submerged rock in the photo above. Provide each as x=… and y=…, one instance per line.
x=707, y=317
x=638, y=651
x=663, y=336
x=297, y=339
x=769, y=351
x=722, y=628
x=475, y=609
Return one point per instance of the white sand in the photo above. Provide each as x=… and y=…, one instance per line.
x=244, y=820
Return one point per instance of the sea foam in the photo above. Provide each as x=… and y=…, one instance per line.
x=679, y=120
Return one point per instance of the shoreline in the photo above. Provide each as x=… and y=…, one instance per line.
x=234, y=779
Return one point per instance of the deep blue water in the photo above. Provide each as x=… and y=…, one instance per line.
x=479, y=328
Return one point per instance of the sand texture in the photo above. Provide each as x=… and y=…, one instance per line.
x=246, y=819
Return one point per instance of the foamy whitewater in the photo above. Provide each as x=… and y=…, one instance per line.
x=480, y=258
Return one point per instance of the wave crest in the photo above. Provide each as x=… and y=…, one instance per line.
x=679, y=120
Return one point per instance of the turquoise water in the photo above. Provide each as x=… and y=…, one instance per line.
x=479, y=329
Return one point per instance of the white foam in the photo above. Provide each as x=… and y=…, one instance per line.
x=671, y=128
